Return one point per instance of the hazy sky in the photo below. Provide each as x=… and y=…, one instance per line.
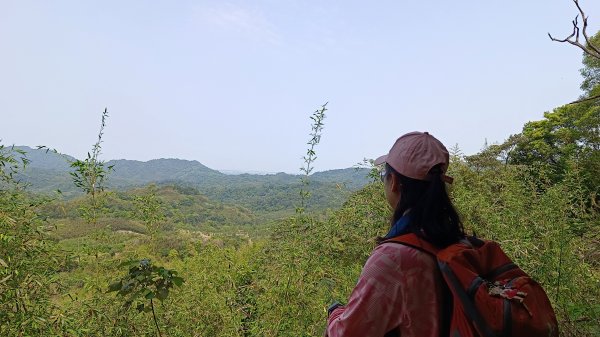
x=232, y=83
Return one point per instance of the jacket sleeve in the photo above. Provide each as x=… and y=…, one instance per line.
x=373, y=308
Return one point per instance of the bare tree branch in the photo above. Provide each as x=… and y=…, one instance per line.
x=589, y=48
x=585, y=23
x=575, y=33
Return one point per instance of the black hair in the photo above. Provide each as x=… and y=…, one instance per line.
x=432, y=215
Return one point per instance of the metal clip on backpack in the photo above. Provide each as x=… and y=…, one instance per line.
x=491, y=296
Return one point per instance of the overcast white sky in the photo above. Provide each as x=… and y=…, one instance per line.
x=232, y=83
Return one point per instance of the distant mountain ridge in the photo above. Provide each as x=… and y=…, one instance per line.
x=49, y=171
x=157, y=170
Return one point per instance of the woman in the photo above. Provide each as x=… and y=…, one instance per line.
x=400, y=290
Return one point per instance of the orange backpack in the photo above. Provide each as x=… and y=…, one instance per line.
x=491, y=296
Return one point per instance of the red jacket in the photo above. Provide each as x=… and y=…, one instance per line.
x=400, y=288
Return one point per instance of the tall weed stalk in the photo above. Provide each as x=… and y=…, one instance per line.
x=90, y=174
x=315, y=137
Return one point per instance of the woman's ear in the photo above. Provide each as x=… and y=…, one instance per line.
x=395, y=183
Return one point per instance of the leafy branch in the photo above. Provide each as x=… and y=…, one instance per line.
x=369, y=164
x=316, y=127
x=143, y=283
x=11, y=161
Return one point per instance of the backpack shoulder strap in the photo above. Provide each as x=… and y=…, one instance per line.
x=413, y=241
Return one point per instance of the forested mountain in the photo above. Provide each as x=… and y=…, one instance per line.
x=48, y=172
x=47, y=169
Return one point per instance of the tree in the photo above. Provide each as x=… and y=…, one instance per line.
x=567, y=134
x=591, y=70
x=591, y=52
x=149, y=209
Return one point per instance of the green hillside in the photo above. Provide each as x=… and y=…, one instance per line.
x=48, y=172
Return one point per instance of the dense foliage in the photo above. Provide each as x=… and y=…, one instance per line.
x=280, y=286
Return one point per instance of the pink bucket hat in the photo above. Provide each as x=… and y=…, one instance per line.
x=415, y=153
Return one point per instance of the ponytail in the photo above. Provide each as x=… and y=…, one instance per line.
x=432, y=215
